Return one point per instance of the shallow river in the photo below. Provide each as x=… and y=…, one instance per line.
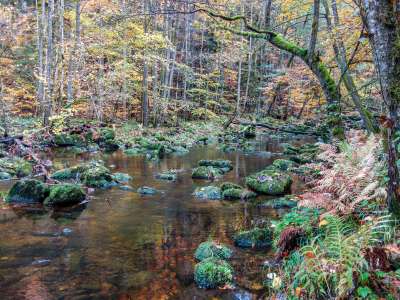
x=126, y=246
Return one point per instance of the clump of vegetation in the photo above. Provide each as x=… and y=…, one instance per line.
x=213, y=273
x=212, y=249
x=270, y=181
x=254, y=238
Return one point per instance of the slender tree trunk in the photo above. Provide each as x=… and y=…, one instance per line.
x=145, y=100
x=49, y=64
x=40, y=21
x=382, y=19
x=72, y=58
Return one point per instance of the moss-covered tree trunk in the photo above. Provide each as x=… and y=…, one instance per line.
x=382, y=18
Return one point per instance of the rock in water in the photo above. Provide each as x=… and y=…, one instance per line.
x=65, y=195
x=122, y=177
x=28, y=191
x=213, y=273
x=218, y=163
x=269, y=181
x=206, y=173
x=208, y=192
x=212, y=249
x=254, y=238
x=145, y=190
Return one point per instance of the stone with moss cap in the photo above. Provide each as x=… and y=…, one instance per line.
x=254, y=238
x=28, y=191
x=238, y=194
x=212, y=249
x=97, y=176
x=212, y=273
x=206, y=173
x=65, y=195
x=224, y=165
x=269, y=181
x=208, y=192
x=16, y=166
x=283, y=164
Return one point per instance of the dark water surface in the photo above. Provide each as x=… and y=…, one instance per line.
x=126, y=246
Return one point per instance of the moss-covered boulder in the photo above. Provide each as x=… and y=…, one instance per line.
x=248, y=131
x=5, y=176
x=98, y=176
x=238, y=194
x=170, y=175
x=145, y=190
x=206, y=173
x=224, y=165
x=230, y=185
x=121, y=177
x=134, y=151
x=208, y=192
x=70, y=173
x=283, y=164
x=65, y=195
x=16, y=166
x=212, y=249
x=28, y=191
x=66, y=140
x=269, y=181
x=283, y=202
x=254, y=238
x=107, y=134
x=212, y=273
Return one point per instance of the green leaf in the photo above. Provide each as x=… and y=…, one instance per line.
x=363, y=291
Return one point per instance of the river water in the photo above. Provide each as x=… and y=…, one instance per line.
x=121, y=245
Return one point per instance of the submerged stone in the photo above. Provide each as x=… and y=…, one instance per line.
x=212, y=249
x=5, y=176
x=254, y=238
x=208, y=192
x=121, y=177
x=283, y=202
x=213, y=273
x=65, y=195
x=269, y=181
x=16, y=166
x=218, y=163
x=238, y=194
x=28, y=191
x=145, y=190
x=167, y=175
x=206, y=173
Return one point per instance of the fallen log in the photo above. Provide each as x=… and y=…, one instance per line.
x=265, y=125
x=11, y=139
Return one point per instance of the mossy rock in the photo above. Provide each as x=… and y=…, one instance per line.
x=65, y=195
x=269, y=181
x=304, y=158
x=66, y=140
x=206, y=173
x=283, y=164
x=133, y=152
x=238, y=194
x=225, y=165
x=283, y=202
x=230, y=185
x=248, y=131
x=121, y=177
x=70, y=173
x=16, y=166
x=212, y=273
x=28, y=191
x=212, y=249
x=110, y=145
x=145, y=190
x=5, y=176
x=208, y=192
x=97, y=176
x=254, y=238
x=167, y=175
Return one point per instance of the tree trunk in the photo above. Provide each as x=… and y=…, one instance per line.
x=71, y=63
x=49, y=65
x=382, y=19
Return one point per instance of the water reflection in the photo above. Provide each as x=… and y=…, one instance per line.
x=127, y=246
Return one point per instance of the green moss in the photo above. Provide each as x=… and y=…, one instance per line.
x=107, y=134
x=168, y=175
x=206, y=173
x=213, y=273
x=283, y=202
x=230, y=185
x=269, y=181
x=208, y=192
x=65, y=195
x=97, y=176
x=254, y=238
x=65, y=140
x=212, y=249
x=282, y=43
x=283, y=164
x=219, y=163
x=16, y=166
x=238, y=194
x=28, y=191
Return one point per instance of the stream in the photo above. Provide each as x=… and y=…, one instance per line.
x=122, y=245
